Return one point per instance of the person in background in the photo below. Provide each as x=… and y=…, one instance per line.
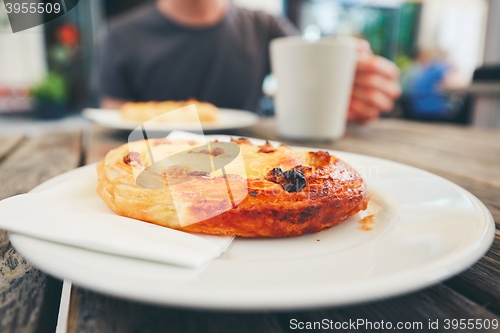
x=214, y=51
x=423, y=88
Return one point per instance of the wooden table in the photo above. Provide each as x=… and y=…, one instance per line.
x=470, y=157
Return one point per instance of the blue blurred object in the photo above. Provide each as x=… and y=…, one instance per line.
x=424, y=93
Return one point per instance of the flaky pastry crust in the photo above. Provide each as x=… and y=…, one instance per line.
x=290, y=193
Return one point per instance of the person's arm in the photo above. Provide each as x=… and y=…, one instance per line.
x=375, y=88
x=376, y=85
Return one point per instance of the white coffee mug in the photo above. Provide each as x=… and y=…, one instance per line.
x=314, y=85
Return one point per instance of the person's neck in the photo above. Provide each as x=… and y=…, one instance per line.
x=194, y=13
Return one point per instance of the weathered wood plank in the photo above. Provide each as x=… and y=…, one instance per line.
x=93, y=312
x=21, y=290
x=22, y=287
x=39, y=159
x=101, y=141
x=459, y=145
x=487, y=138
x=481, y=282
x=436, y=303
x=7, y=143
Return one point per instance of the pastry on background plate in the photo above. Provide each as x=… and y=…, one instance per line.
x=145, y=111
x=285, y=192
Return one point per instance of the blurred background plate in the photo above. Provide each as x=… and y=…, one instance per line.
x=228, y=119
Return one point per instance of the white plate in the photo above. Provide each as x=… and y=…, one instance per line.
x=427, y=230
x=228, y=119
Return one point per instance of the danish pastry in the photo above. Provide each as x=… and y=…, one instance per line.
x=286, y=192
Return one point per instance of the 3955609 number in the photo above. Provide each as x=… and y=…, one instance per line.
x=470, y=324
x=32, y=8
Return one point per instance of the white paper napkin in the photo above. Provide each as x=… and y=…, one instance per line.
x=72, y=213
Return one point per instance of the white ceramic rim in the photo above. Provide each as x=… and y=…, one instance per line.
x=281, y=298
x=239, y=118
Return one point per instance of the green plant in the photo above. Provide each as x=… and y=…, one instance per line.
x=404, y=62
x=53, y=88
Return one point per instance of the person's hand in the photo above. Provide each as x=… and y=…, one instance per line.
x=375, y=87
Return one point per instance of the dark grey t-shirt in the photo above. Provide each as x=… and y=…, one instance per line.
x=148, y=57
